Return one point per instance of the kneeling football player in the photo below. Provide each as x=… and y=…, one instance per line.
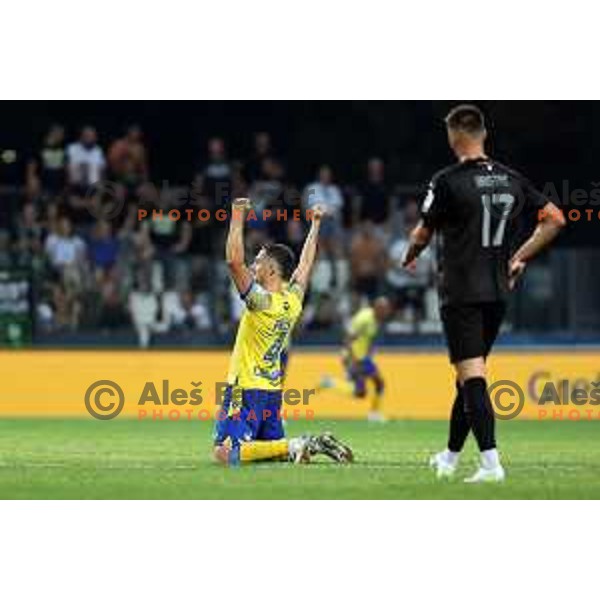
x=250, y=428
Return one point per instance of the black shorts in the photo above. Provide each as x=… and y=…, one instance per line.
x=471, y=329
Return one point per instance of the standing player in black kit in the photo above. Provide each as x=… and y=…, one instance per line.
x=472, y=206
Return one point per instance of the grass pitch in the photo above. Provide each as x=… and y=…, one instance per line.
x=149, y=460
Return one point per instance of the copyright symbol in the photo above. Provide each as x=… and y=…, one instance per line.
x=507, y=398
x=97, y=403
x=105, y=200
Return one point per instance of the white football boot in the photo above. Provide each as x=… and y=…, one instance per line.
x=303, y=448
x=485, y=475
x=444, y=469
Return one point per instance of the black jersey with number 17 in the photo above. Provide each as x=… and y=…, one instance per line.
x=472, y=207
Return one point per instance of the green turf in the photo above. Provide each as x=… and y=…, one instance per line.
x=131, y=459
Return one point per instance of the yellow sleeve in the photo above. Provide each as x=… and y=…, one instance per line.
x=297, y=290
x=257, y=298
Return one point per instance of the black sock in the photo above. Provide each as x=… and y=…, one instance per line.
x=459, y=423
x=480, y=412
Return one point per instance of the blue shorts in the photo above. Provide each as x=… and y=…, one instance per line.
x=365, y=367
x=359, y=372
x=257, y=416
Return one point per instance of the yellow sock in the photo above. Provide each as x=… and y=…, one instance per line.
x=375, y=402
x=262, y=450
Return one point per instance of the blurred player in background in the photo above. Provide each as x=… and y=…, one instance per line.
x=357, y=357
x=273, y=292
x=472, y=207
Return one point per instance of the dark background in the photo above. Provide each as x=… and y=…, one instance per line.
x=549, y=141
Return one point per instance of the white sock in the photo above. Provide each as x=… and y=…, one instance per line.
x=490, y=459
x=294, y=445
x=451, y=457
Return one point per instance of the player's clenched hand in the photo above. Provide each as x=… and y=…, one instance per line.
x=515, y=270
x=241, y=203
x=318, y=212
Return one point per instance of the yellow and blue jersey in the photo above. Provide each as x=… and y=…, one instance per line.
x=363, y=330
x=263, y=337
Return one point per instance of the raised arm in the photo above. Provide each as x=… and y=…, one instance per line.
x=301, y=275
x=234, y=248
x=551, y=222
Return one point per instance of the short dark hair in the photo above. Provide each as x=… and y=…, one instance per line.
x=284, y=257
x=467, y=118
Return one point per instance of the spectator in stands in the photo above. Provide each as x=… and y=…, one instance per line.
x=202, y=238
x=103, y=247
x=217, y=174
x=51, y=216
x=295, y=230
x=65, y=308
x=128, y=158
x=143, y=309
x=266, y=193
x=330, y=274
x=407, y=290
x=112, y=312
x=170, y=241
x=411, y=214
x=30, y=235
x=367, y=261
x=66, y=254
x=86, y=167
x=190, y=313
x=169, y=262
x=374, y=195
x=326, y=193
x=64, y=248
x=135, y=260
x=263, y=150
x=86, y=160
x=323, y=313
x=47, y=169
